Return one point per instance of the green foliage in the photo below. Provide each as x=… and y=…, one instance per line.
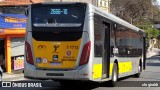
x=150, y=30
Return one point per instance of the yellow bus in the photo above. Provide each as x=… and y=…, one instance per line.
x=76, y=41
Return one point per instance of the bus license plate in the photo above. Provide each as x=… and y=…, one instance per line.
x=55, y=64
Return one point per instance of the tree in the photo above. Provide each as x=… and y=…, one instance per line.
x=141, y=13
x=148, y=28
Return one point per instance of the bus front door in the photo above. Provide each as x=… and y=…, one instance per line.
x=106, y=51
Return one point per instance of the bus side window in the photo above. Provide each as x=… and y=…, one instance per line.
x=112, y=42
x=98, y=38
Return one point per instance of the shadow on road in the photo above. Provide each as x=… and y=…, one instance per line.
x=80, y=86
x=148, y=79
x=157, y=57
x=153, y=61
x=93, y=85
x=153, y=64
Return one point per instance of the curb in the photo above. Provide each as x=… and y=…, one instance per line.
x=10, y=77
x=153, y=61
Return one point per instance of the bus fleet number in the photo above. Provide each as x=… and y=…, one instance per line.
x=72, y=47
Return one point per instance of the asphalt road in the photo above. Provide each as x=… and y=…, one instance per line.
x=149, y=77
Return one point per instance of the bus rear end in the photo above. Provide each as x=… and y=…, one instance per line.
x=56, y=45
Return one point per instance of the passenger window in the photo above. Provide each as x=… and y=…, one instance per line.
x=98, y=43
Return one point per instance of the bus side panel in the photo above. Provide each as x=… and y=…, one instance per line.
x=128, y=66
x=129, y=45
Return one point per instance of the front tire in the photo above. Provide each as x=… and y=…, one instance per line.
x=0, y=76
x=139, y=72
x=114, y=75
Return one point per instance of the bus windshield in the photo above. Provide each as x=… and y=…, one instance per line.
x=58, y=16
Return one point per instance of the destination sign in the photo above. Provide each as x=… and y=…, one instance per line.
x=59, y=11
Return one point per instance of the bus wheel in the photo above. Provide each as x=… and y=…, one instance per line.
x=139, y=72
x=0, y=77
x=114, y=75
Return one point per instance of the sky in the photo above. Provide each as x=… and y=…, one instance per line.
x=158, y=1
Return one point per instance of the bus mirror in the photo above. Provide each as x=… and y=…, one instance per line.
x=26, y=12
x=115, y=25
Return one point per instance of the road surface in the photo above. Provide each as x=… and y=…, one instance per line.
x=150, y=76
